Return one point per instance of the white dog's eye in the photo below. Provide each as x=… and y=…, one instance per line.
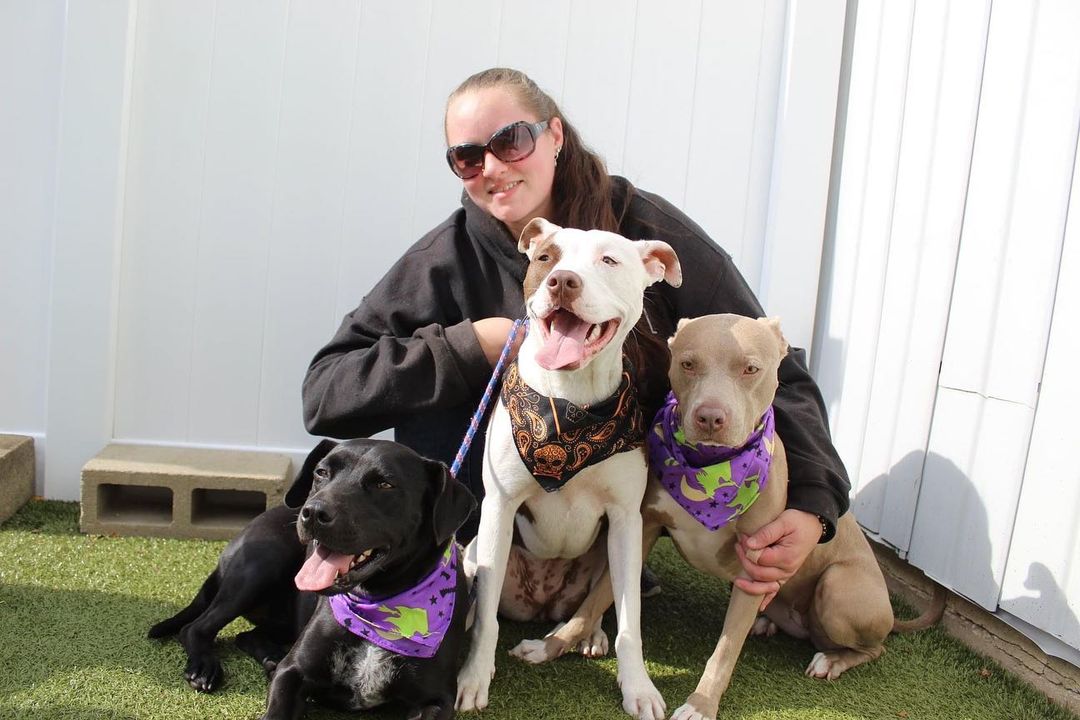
x=608, y=260
x=543, y=258
x=751, y=370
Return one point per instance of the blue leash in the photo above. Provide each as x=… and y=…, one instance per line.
x=474, y=424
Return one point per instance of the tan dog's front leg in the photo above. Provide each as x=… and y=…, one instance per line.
x=492, y=554
x=703, y=703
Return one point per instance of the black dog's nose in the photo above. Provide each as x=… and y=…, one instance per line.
x=315, y=512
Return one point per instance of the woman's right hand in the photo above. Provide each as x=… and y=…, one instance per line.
x=492, y=333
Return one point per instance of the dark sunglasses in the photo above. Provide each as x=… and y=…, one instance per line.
x=514, y=142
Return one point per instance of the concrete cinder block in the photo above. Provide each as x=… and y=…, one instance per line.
x=179, y=492
x=16, y=473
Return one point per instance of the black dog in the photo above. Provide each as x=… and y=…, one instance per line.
x=380, y=519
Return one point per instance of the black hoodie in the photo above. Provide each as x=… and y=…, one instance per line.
x=408, y=358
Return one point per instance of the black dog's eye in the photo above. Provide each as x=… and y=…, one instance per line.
x=322, y=473
x=383, y=485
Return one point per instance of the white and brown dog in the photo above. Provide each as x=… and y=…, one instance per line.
x=564, y=451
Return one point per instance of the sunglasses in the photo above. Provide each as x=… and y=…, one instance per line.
x=514, y=142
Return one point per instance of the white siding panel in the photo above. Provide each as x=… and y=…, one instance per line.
x=31, y=40
x=970, y=486
x=737, y=67
x=163, y=196
x=852, y=307
x=1042, y=578
x=940, y=109
x=241, y=151
x=395, y=145
x=662, y=96
x=1003, y=295
x=599, y=60
x=310, y=169
x=534, y=38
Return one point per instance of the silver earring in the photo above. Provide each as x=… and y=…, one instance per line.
x=557, y=151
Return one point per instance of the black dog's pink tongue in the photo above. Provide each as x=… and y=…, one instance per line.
x=565, y=342
x=321, y=569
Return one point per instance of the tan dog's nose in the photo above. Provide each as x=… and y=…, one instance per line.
x=710, y=418
x=564, y=286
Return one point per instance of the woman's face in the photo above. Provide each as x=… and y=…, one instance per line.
x=514, y=193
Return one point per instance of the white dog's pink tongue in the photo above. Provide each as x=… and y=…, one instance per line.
x=321, y=569
x=565, y=342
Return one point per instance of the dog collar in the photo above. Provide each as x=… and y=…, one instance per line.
x=557, y=439
x=715, y=484
x=413, y=622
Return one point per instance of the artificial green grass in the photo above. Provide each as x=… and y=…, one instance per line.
x=74, y=611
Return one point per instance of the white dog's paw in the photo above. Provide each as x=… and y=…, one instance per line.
x=596, y=645
x=642, y=700
x=764, y=626
x=473, y=685
x=534, y=651
x=822, y=666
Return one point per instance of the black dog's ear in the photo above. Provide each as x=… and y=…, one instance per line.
x=301, y=486
x=453, y=502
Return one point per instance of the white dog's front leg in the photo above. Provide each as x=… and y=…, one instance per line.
x=492, y=553
x=640, y=697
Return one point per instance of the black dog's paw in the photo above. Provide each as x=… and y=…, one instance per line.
x=431, y=712
x=204, y=674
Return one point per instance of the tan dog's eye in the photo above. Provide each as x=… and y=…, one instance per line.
x=687, y=365
x=751, y=370
x=608, y=260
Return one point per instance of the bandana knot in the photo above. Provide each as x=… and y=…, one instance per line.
x=715, y=484
x=413, y=622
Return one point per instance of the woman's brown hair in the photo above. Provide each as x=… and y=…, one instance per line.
x=581, y=192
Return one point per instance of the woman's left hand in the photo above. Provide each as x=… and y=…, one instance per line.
x=776, y=552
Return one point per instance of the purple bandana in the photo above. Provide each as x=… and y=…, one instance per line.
x=715, y=484
x=413, y=622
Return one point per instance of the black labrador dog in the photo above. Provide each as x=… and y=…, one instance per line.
x=379, y=522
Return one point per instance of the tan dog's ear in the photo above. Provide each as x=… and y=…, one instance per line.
x=773, y=323
x=535, y=233
x=660, y=260
x=678, y=326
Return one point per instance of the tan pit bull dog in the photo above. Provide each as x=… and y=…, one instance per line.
x=717, y=469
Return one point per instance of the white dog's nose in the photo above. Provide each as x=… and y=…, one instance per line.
x=565, y=286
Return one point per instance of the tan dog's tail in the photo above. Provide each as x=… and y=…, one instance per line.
x=930, y=616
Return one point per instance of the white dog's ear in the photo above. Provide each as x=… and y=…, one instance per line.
x=660, y=260
x=534, y=234
x=773, y=324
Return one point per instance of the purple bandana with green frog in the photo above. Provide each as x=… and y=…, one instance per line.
x=715, y=484
x=413, y=622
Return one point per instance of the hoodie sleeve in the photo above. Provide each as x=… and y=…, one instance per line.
x=406, y=349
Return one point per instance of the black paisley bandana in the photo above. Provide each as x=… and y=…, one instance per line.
x=556, y=439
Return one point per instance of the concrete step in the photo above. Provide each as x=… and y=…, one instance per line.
x=179, y=492
x=16, y=473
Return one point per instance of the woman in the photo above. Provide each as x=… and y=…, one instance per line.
x=418, y=351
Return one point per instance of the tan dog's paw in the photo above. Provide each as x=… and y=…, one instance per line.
x=594, y=646
x=538, y=651
x=825, y=667
x=764, y=626
x=696, y=707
